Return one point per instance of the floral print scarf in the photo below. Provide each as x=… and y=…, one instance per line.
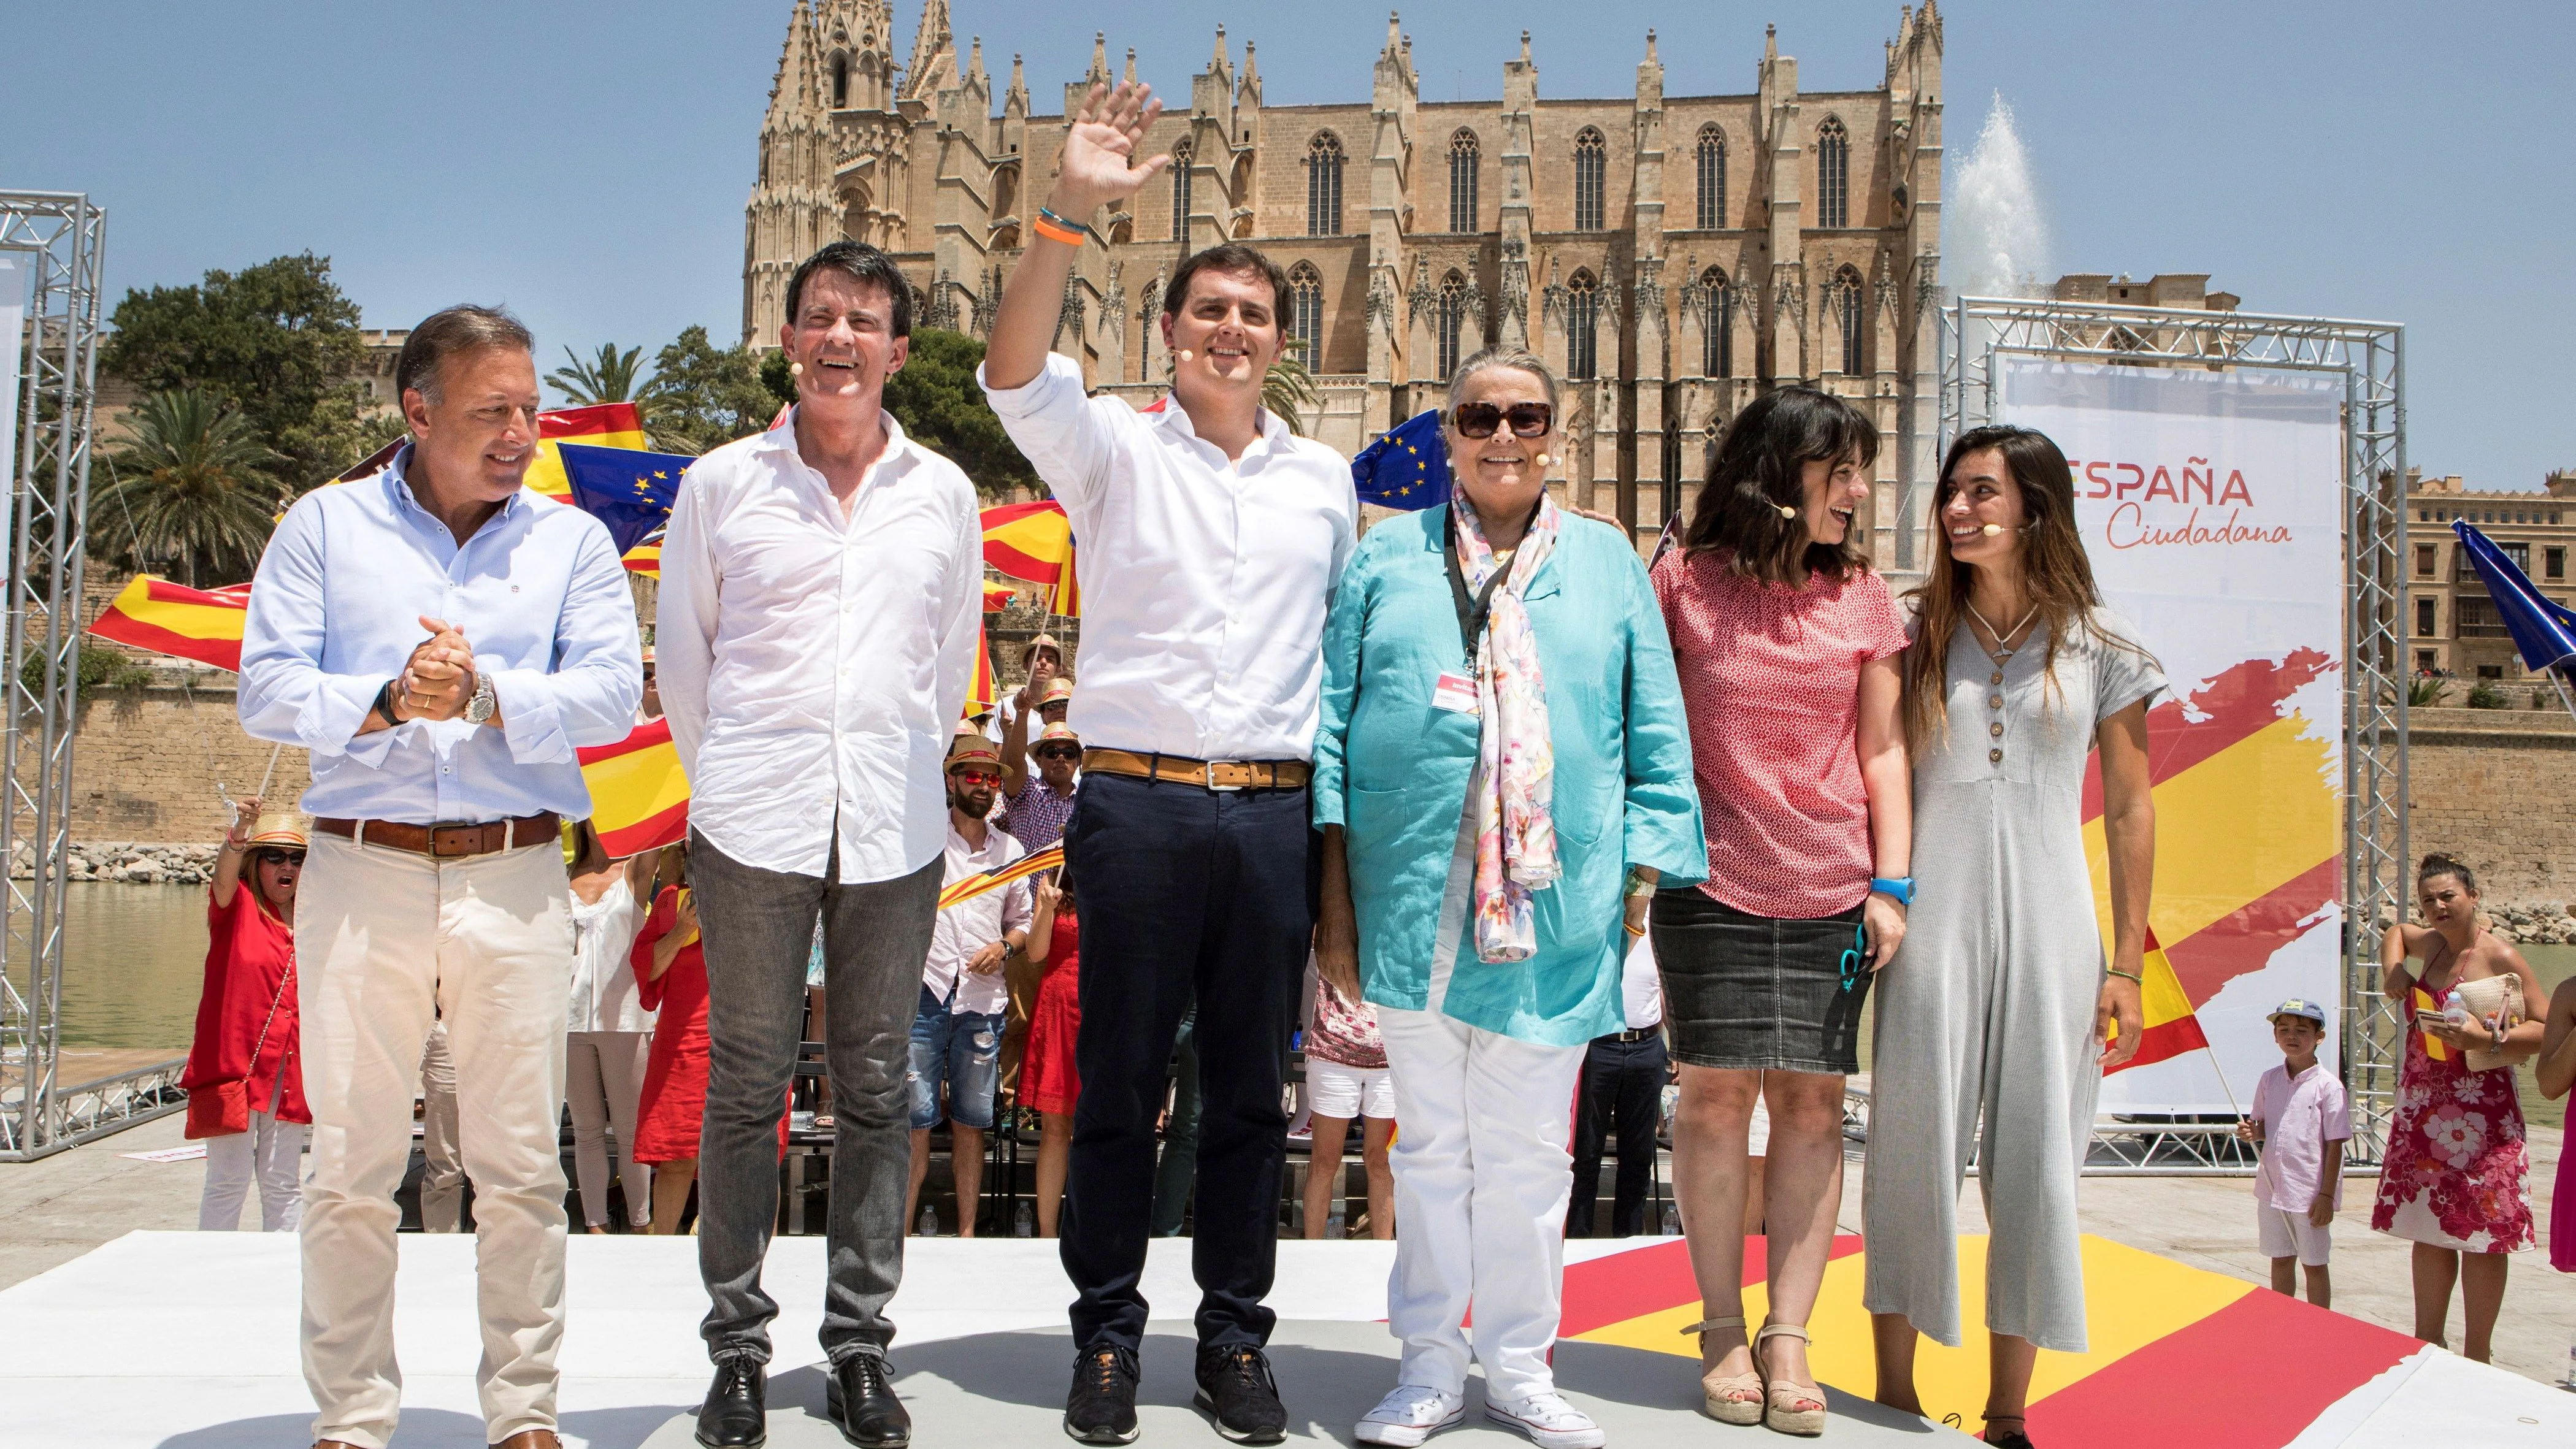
x=1516, y=762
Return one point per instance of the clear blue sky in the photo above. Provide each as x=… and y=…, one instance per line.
x=586, y=163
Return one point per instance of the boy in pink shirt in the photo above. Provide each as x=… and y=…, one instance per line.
x=2300, y=1111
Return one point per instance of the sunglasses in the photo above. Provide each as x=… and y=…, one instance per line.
x=1060, y=753
x=278, y=857
x=976, y=777
x=1528, y=419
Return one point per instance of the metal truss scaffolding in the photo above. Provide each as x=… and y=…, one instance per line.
x=2371, y=359
x=57, y=237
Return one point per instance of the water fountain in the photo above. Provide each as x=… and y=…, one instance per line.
x=1998, y=232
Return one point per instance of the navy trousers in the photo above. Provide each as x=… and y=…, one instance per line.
x=1188, y=895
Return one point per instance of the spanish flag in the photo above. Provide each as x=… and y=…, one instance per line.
x=1031, y=541
x=166, y=618
x=608, y=425
x=986, y=882
x=639, y=797
x=997, y=597
x=980, y=691
x=2171, y=1027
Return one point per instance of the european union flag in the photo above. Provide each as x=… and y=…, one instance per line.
x=628, y=489
x=1407, y=467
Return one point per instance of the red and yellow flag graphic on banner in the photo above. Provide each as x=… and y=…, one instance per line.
x=1034, y=542
x=639, y=796
x=166, y=618
x=2248, y=837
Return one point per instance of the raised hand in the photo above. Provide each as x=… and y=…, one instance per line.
x=245, y=819
x=1098, y=164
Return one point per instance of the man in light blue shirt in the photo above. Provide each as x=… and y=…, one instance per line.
x=441, y=639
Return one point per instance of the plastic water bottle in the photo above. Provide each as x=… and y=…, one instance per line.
x=2456, y=1012
x=1024, y=1222
x=1672, y=1222
x=928, y=1227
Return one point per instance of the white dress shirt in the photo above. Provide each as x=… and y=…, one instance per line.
x=1641, y=989
x=813, y=667
x=335, y=612
x=969, y=926
x=604, y=994
x=1203, y=581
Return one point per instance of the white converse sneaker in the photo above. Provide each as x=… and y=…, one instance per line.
x=1549, y=1420
x=1410, y=1415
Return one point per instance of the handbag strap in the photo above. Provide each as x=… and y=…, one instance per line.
x=284, y=981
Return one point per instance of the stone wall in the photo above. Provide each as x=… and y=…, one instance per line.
x=2497, y=788
x=145, y=762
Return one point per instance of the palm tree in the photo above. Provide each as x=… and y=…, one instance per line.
x=193, y=481
x=1288, y=388
x=606, y=379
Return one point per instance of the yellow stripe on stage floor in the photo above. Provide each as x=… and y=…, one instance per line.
x=2131, y=1299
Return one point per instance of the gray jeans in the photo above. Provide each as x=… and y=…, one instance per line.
x=759, y=930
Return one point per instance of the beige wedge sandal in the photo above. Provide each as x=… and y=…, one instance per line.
x=1718, y=1391
x=1789, y=1408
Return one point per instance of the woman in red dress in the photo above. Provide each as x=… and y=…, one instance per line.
x=1049, y=1081
x=245, y=1079
x=671, y=979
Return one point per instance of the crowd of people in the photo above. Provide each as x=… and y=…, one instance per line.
x=1509, y=824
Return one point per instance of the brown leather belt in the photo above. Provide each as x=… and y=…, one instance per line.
x=445, y=841
x=1206, y=774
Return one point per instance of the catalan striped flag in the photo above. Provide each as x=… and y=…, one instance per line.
x=980, y=690
x=639, y=796
x=986, y=882
x=167, y=618
x=2171, y=1026
x=607, y=425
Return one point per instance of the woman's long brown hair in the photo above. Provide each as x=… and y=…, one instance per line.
x=2054, y=570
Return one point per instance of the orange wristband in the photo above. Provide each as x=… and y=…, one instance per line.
x=1053, y=232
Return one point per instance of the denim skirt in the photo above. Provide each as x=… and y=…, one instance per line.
x=1754, y=993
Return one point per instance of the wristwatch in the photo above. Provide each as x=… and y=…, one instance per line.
x=1900, y=891
x=480, y=707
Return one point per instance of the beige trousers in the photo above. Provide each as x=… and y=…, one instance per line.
x=386, y=938
x=442, y=1171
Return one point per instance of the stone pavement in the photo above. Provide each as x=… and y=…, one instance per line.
x=56, y=1208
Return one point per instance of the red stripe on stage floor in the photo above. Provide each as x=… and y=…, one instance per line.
x=2252, y=1375
x=1603, y=1291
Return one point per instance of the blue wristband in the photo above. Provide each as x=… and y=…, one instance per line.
x=1900, y=891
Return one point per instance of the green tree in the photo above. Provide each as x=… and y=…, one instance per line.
x=191, y=489
x=941, y=406
x=608, y=378
x=279, y=341
x=703, y=396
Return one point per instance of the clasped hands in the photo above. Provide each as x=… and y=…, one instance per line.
x=437, y=681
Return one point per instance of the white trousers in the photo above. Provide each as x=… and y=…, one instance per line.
x=386, y=938
x=1482, y=1174
x=604, y=1079
x=271, y=1154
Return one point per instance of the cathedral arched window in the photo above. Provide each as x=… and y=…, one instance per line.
x=1306, y=314
x=1711, y=168
x=1582, y=312
x=1181, y=192
x=1324, y=185
x=1452, y=323
x=840, y=81
x=1462, y=185
x=1833, y=174
x=1591, y=166
x=1846, y=314
x=1716, y=325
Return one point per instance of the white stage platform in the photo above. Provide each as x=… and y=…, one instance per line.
x=187, y=1341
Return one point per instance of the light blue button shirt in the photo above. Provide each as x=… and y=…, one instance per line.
x=335, y=612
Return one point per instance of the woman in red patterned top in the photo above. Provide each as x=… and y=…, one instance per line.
x=1787, y=644
x=1050, y=1082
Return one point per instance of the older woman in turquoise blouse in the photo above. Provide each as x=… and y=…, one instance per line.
x=1501, y=775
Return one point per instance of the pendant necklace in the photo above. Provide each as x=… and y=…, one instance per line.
x=2000, y=654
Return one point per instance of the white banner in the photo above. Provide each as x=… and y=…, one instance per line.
x=2211, y=506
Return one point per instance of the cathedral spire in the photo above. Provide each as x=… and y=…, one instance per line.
x=934, y=53
x=1018, y=94
x=1131, y=65
x=1099, y=72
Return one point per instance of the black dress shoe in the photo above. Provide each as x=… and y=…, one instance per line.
x=736, y=1413
x=1236, y=1390
x=1101, y=1409
x=861, y=1400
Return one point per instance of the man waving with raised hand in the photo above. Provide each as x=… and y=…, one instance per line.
x=1211, y=540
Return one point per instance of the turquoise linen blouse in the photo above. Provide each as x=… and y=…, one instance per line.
x=1392, y=771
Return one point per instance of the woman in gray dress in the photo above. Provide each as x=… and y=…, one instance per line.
x=1999, y=1002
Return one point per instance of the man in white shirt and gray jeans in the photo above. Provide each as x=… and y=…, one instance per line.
x=1211, y=539
x=822, y=588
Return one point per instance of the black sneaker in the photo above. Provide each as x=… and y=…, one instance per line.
x=1237, y=1391
x=1101, y=1409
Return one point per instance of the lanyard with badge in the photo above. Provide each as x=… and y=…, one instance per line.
x=1456, y=692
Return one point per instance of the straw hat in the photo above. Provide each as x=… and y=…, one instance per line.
x=1042, y=641
x=1059, y=731
x=280, y=827
x=1058, y=688
x=973, y=750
